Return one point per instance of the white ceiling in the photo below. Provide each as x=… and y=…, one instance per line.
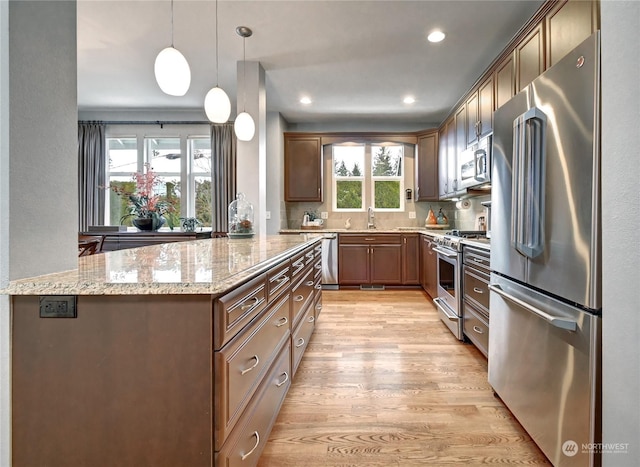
x=357, y=60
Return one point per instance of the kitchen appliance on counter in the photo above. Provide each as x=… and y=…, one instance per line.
x=545, y=291
x=449, y=277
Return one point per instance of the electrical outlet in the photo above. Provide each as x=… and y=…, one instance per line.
x=324, y=215
x=412, y=214
x=58, y=306
x=268, y=214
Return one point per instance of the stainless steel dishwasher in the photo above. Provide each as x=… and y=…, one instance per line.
x=330, y=261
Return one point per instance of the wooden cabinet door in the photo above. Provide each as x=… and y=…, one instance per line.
x=426, y=169
x=445, y=146
x=530, y=60
x=410, y=259
x=460, y=145
x=472, y=119
x=353, y=264
x=432, y=272
x=485, y=108
x=386, y=264
x=505, y=81
x=302, y=168
x=568, y=24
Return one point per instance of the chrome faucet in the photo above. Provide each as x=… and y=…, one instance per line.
x=370, y=218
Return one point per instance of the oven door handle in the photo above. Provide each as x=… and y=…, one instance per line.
x=447, y=253
x=449, y=314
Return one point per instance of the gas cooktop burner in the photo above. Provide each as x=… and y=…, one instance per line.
x=467, y=233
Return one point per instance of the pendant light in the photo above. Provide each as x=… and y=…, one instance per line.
x=172, y=70
x=244, y=126
x=217, y=105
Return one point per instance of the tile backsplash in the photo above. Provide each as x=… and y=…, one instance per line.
x=461, y=215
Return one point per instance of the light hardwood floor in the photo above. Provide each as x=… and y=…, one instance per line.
x=384, y=383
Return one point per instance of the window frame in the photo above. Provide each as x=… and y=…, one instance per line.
x=383, y=178
x=336, y=178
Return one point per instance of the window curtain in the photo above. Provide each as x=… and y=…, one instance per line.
x=223, y=174
x=91, y=173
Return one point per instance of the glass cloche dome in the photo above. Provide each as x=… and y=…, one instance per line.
x=240, y=217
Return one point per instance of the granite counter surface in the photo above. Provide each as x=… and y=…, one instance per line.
x=208, y=266
x=369, y=231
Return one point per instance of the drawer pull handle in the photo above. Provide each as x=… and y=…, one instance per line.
x=298, y=298
x=255, y=357
x=319, y=286
x=478, y=260
x=286, y=378
x=282, y=279
x=318, y=266
x=282, y=321
x=311, y=319
x=308, y=283
x=300, y=342
x=477, y=290
x=318, y=307
x=478, y=330
x=369, y=239
x=246, y=306
x=257, y=435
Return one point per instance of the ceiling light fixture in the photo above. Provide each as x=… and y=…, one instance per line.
x=305, y=100
x=436, y=36
x=172, y=70
x=217, y=105
x=409, y=100
x=244, y=126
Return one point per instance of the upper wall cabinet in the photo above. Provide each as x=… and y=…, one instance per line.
x=505, y=82
x=480, y=112
x=567, y=25
x=427, y=167
x=530, y=61
x=302, y=167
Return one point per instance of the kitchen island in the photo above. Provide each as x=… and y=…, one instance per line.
x=172, y=354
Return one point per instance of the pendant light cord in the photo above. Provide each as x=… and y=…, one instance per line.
x=217, y=81
x=244, y=73
x=171, y=23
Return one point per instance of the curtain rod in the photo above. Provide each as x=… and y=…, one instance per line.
x=146, y=122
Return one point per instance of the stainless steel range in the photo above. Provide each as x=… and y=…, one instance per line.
x=449, y=299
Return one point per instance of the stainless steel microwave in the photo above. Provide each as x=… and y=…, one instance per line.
x=474, y=164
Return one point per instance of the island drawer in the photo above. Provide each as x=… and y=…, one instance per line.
x=278, y=280
x=298, y=265
x=246, y=442
x=387, y=239
x=476, y=286
x=317, y=249
x=236, y=309
x=318, y=306
x=476, y=327
x=301, y=295
x=300, y=337
x=309, y=255
x=476, y=257
x=240, y=365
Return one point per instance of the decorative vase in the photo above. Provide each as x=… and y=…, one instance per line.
x=240, y=218
x=148, y=224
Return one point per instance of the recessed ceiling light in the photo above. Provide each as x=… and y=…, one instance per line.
x=436, y=36
x=409, y=100
x=305, y=101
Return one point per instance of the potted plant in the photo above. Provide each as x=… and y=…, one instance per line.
x=147, y=209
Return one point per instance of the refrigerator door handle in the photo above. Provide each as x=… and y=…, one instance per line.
x=556, y=321
x=528, y=200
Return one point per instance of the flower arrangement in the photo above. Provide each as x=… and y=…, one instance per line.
x=144, y=203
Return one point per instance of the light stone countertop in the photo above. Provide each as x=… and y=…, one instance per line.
x=369, y=231
x=207, y=266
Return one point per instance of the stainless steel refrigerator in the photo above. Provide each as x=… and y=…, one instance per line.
x=545, y=299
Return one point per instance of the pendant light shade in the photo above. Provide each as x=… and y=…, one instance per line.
x=172, y=72
x=244, y=127
x=217, y=105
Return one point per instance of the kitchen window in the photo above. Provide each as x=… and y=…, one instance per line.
x=368, y=175
x=187, y=180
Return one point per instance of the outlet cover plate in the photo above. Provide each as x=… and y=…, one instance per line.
x=58, y=306
x=412, y=214
x=324, y=215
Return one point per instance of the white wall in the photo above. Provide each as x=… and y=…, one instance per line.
x=620, y=229
x=276, y=125
x=43, y=192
